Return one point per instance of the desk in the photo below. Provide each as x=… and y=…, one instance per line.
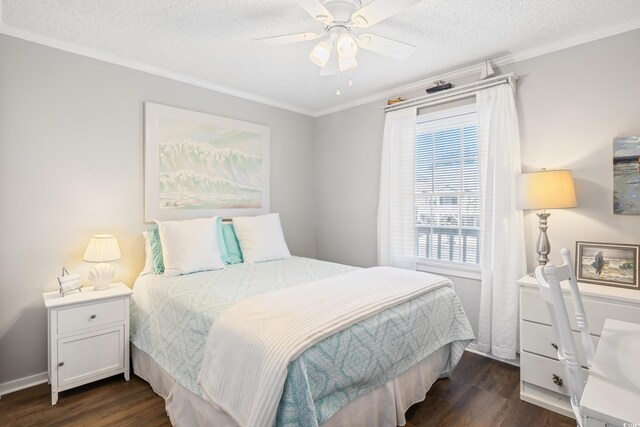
x=612, y=393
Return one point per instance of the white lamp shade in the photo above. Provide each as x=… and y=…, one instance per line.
x=546, y=190
x=321, y=53
x=346, y=46
x=102, y=248
x=346, y=64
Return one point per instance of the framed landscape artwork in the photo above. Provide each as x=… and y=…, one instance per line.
x=198, y=164
x=626, y=175
x=607, y=264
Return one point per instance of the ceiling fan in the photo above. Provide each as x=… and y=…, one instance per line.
x=343, y=20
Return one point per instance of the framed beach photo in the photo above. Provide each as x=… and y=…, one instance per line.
x=198, y=165
x=608, y=264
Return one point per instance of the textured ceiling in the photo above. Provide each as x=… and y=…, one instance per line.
x=213, y=40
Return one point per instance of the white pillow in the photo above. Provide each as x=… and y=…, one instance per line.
x=189, y=246
x=261, y=238
x=148, y=267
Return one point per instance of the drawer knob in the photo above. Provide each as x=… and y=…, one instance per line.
x=554, y=345
x=557, y=380
x=60, y=363
x=93, y=316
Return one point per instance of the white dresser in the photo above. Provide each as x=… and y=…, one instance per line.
x=88, y=336
x=541, y=375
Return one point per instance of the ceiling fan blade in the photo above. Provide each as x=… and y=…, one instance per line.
x=316, y=10
x=289, y=38
x=385, y=46
x=377, y=10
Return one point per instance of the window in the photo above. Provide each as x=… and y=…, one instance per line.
x=447, y=200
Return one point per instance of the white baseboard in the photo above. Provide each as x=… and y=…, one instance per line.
x=515, y=362
x=21, y=383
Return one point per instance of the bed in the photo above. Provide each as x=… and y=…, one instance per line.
x=367, y=374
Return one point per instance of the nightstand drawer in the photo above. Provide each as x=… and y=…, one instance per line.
x=537, y=339
x=90, y=315
x=540, y=371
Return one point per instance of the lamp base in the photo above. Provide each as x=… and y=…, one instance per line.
x=543, y=247
x=101, y=276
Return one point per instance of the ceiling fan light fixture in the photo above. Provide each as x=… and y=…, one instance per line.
x=346, y=46
x=321, y=53
x=345, y=64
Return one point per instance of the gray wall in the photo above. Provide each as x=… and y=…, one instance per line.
x=571, y=104
x=71, y=165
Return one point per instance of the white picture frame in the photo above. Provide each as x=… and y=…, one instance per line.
x=198, y=165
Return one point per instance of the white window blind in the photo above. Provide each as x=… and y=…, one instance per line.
x=447, y=204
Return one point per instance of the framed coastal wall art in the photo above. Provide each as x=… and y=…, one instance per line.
x=198, y=164
x=608, y=264
x=626, y=175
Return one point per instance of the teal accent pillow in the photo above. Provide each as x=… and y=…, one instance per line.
x=157, y=262
x=222, y=247
x=231, y=243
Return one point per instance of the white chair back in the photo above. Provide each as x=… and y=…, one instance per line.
x=567, y=272
x=548, y=278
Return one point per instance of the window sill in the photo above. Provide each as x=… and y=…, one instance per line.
x=463, y=271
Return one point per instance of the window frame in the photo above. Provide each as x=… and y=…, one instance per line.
x=446, y=118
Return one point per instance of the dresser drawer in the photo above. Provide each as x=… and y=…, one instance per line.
x=534, y=309
x=537, y=339
x=87, y=316
x=540, y=370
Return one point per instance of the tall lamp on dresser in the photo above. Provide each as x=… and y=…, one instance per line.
x=542, y=190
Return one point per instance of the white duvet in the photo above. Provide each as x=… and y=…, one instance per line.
x=250, y=345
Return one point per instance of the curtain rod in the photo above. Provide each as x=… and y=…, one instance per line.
x=459, y=92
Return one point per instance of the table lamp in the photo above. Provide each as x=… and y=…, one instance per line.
x=546, y=189
x=102, y=249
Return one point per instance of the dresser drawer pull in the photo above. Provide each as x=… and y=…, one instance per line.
x=60, y=363
x=554, y=345
x=93, y=316
x=557, y=380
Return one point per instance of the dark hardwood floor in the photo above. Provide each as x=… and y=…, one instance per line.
x=481, y=392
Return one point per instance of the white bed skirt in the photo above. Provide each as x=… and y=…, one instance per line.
x=382, y=407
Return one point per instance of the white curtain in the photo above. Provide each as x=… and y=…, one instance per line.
x=396, y=210
x=502, y=239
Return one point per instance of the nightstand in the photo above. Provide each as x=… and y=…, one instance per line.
x=88, y=336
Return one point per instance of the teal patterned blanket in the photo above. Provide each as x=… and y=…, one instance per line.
x=171, y=317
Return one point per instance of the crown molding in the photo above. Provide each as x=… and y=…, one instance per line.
x=184, y=78
x=146, y=68
x=500, y=61
x=566, y=43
